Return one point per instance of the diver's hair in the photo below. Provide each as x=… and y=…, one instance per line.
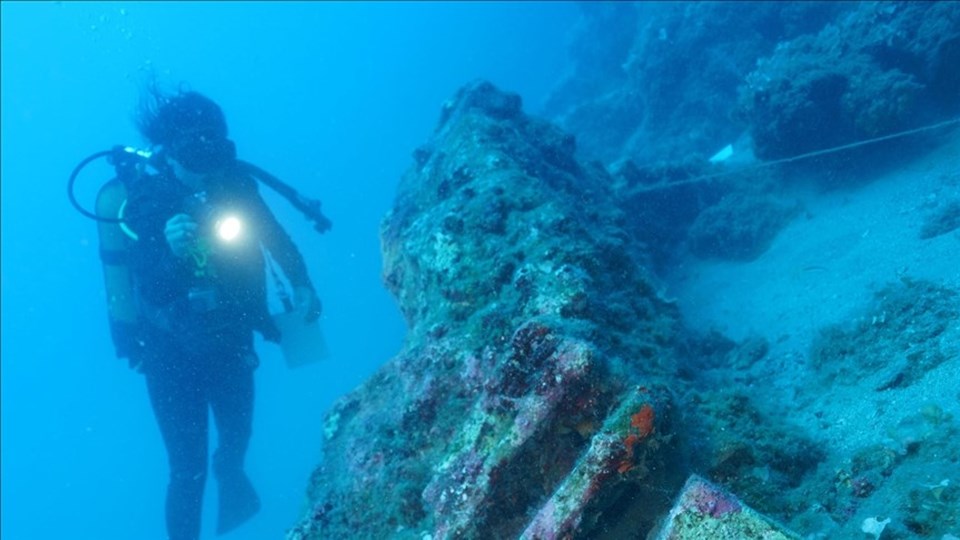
x=164, y=118
x=151, y=99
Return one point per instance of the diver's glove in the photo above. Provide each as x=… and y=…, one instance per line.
x=305, y=301
x=180, y=231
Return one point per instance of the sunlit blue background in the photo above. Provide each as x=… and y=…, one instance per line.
x=332, y=98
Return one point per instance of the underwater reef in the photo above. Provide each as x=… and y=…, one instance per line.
x=884, y=67
x=662, y=81
x=549, y=388
x=545, y=388
x=657, y=88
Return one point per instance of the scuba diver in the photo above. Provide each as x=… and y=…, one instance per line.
x=183, y=252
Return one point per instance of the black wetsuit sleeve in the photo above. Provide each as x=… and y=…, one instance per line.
x=281, y=247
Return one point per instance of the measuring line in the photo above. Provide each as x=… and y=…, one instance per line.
x=667, y=185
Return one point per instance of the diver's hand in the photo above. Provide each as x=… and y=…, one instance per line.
x=181, y=234
x=305, y=301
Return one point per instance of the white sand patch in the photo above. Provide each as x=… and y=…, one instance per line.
x=825, y=266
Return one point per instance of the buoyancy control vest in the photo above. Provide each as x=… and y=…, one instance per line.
x=116, y=238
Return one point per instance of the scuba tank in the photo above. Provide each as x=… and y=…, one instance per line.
x=115, y=240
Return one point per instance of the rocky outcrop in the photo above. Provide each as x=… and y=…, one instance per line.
x=532, y=397
x=886, y=66
x=658, y=88
x=667, y=81
x=659, y=81
x=704, y=510
x=654, y=93
x=545, y=389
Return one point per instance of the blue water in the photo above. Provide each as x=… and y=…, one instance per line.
x=332, y=98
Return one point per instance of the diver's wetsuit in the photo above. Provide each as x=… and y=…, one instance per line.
x=197, y=353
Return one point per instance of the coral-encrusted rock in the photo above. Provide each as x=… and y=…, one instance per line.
x=886, y=67
x=704, y=510
x=657, y=81
x=530, y=397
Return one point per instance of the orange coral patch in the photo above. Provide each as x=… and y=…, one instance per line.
x=642, y=420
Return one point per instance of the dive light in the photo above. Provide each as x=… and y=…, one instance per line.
x=229, y=228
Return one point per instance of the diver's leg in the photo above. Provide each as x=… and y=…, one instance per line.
x=231, y=398
x=179, y=403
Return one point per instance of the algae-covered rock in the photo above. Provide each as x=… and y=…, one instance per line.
x=905, y=333
x=531, y=397
x=658, y=81
x=704, y=510
x=887, y=66
x=741, y=226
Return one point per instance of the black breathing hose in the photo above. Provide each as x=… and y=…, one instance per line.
x=309, y=207
x=73, y=180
